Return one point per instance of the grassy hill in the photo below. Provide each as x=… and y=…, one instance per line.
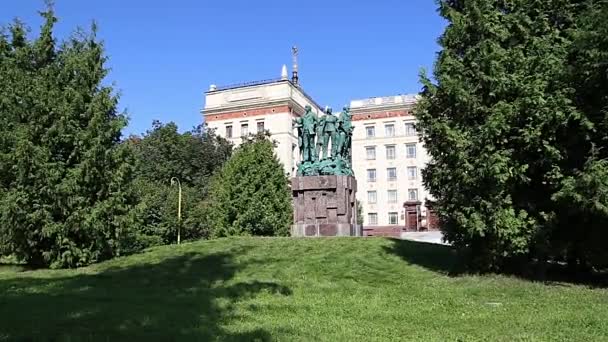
x=250, y=289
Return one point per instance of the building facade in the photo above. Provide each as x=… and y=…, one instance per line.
x=387, y=159
x=235, y=111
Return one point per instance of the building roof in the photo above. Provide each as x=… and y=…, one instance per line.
x=214, y=88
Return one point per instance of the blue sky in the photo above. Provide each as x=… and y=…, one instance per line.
x=165, y=54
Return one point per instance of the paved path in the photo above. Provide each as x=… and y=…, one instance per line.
x=430, y=237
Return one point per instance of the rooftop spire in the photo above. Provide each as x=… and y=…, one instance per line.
x=284, y=72
x=294, y=72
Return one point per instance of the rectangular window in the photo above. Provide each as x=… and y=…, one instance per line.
x=410, y=150
x=412, y=173
x=370, y=131
x=392, y=218
x=372, y=219
x=260, y=126
x=392, y=196
x=371, y=175
x=372, y=198
x=229, y=131
x=244, y=129
x=389, y=130
x=390, y=152
x=412, y=194
x=391, y=174
x=370, y=152
x=410, y=129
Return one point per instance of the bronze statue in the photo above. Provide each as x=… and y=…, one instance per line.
x=309, y=123
x=330, y=133
x=320, y=128
x=345, y=131
x=297, y=124
x=328, y=129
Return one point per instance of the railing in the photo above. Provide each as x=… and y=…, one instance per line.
x=384, y=100
x=249, y=84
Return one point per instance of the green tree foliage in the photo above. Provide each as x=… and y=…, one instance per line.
x=192, y=157
x=65, y=196
x=583, y=197
x=359, y=213
x=506, y=129
x=250, y=195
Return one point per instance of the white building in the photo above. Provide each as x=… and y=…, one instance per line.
x=387, y=159
x=234, y=111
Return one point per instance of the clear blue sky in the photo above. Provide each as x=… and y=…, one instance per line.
x=165, y=54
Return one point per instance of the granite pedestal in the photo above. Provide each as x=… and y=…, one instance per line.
x=324, y=206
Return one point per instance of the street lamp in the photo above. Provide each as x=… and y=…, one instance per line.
x=179, y=208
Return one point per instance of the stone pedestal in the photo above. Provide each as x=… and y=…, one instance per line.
x=324, y=206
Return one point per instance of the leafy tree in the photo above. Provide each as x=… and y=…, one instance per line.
x=250, y=194
x=65, y=195
x=192, y=157
x=495, y=124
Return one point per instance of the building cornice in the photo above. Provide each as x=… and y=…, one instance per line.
x=381, y=114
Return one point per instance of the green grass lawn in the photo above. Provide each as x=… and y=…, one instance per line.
x=344, y=289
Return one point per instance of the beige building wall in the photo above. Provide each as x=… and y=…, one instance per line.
x=234, y=111
x=382, y=137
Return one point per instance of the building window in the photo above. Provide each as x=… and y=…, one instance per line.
x=391, y=174
x=392, y=196
x=244, y=129
x=410, y=129
x=229, y=131
x=392, y=218
x=370, y=152
x=410, y=150
x=371, y=175
x=370, y=131
x=372, y=219
x=389, y=130
x=390, y=152
x=372, y=198
x=412, y=194
x=260, y=126
x=412, y=173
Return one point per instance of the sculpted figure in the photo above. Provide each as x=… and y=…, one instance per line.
x=320, y=128
x=297, y=124
x=309, y=123
x=330, y=133
x=345, y=129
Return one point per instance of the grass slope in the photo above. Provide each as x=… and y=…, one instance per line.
x=250, y=289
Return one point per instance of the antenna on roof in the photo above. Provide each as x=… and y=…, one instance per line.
x=294, y=72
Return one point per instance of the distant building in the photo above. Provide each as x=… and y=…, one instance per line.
x=387, y=153
x=387, y=159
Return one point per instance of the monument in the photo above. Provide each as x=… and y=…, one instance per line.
x=325, y=187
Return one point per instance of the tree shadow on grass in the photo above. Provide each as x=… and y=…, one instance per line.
x=186, y=298
x=438, y=258
x=447, y=260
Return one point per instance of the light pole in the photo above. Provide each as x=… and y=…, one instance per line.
x=179, y=208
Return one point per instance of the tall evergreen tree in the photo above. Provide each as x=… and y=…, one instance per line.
x=250, y=194
x=582, y=215
x=65, y=197
x=494, y=121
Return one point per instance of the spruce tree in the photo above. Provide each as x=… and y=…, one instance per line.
x=250, y=194
x=493, y=121
x=65, y=196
